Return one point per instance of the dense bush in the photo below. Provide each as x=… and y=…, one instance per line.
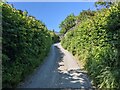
x=67, y=24
x=55, y=38
x=96, y=41
x=25, y=40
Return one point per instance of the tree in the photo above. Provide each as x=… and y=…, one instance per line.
x=68, y=23
x=103, y=4
x=85, y=14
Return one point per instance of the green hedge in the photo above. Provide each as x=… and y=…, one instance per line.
x=96, y=41
x=55, y=38
x=25, y=43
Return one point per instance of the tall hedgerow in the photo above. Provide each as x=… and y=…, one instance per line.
x=96, y=41
x=25, y=43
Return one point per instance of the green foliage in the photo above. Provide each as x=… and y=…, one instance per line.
x=68, y=23
x=96, y=40
x=55, y=38
x=104, y=4
x=25, y=40
x=85, y=14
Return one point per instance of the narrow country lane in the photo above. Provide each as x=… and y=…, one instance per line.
x=59, y=70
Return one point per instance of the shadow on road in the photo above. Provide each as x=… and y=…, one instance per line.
x=76, y=78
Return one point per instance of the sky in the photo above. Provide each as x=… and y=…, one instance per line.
x=53, y=13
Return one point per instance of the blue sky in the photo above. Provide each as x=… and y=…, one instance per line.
x=52, y=13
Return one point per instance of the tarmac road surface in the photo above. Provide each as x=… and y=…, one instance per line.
x=59, y=70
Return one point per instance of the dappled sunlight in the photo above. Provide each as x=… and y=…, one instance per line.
x=71, y=78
